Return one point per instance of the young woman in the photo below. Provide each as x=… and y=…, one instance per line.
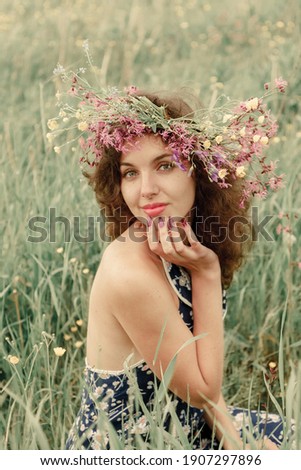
x=173, y=190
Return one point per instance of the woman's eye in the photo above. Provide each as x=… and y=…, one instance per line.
x=166, y=166
x=129, y=174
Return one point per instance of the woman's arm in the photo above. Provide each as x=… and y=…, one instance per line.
x=220, y=421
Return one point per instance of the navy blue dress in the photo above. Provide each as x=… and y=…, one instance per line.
x=118, y=406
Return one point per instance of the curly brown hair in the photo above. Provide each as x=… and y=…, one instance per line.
x=219, y=222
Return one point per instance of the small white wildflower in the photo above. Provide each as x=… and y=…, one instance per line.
x=242, y=131
x=219, y=139
x=52, y=124
x=207, y=144
x=222, y=173
x=86, y=270
x=49, y=137
x=60, y=249
x=252, y=104
x=78, y=344
x=261, y=119
x=86, y=45
x=83, y=126
x=264, y=140
x=57, y=149
x=58, y=70
x=226, y=117
x=256, y=138
x=240, y=172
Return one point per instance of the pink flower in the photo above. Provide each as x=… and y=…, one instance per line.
x=280, y=84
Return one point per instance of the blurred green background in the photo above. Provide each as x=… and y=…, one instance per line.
x=214, y=47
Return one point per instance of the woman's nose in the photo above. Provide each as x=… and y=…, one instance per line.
x=149, y=186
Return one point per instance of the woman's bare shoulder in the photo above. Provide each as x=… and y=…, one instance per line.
x=126, y=260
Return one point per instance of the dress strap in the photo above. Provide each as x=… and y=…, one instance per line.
x=179, y=280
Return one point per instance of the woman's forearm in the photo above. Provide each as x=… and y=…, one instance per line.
x=208, y=321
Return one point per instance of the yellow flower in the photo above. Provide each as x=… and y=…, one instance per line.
x=222, y=173
x=252, y=104
x=14, y=360
x=207, y=144
x=218, y=139
x=73, y=329
x=67, y=337
x=79, y=322
x=264, y=140
x=83, y=126
x=78, y=344
x=52, y=124
x=59, y=351
x=240, y=172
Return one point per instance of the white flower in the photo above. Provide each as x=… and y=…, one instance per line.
x=83, y=126
x=264, y=140
x=218, y=139
x=261, y=119
x=207, y=144
x=256, y=138
x=240, y=172
x=252, y=104
x=222, y=173
x=52, y=124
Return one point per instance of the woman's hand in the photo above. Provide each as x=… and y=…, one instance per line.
x=175, y=241
x=262, y=444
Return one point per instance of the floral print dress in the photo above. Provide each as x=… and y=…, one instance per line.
x=118, y=406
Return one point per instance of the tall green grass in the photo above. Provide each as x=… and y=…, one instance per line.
x=213, y=47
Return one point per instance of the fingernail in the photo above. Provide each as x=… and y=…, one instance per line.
x=160, y=222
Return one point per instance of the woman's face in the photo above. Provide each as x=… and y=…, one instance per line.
x=152, y=185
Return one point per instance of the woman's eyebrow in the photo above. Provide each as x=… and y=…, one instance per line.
x=159, y=157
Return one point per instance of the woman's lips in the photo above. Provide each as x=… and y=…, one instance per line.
x=152, y=210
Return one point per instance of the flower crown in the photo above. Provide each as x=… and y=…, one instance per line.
x=230, y=141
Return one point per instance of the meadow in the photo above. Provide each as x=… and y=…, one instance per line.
x=212, y=47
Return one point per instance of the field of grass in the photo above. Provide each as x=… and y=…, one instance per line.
x=212, y=47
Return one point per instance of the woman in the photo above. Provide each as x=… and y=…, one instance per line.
x=173, y=189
